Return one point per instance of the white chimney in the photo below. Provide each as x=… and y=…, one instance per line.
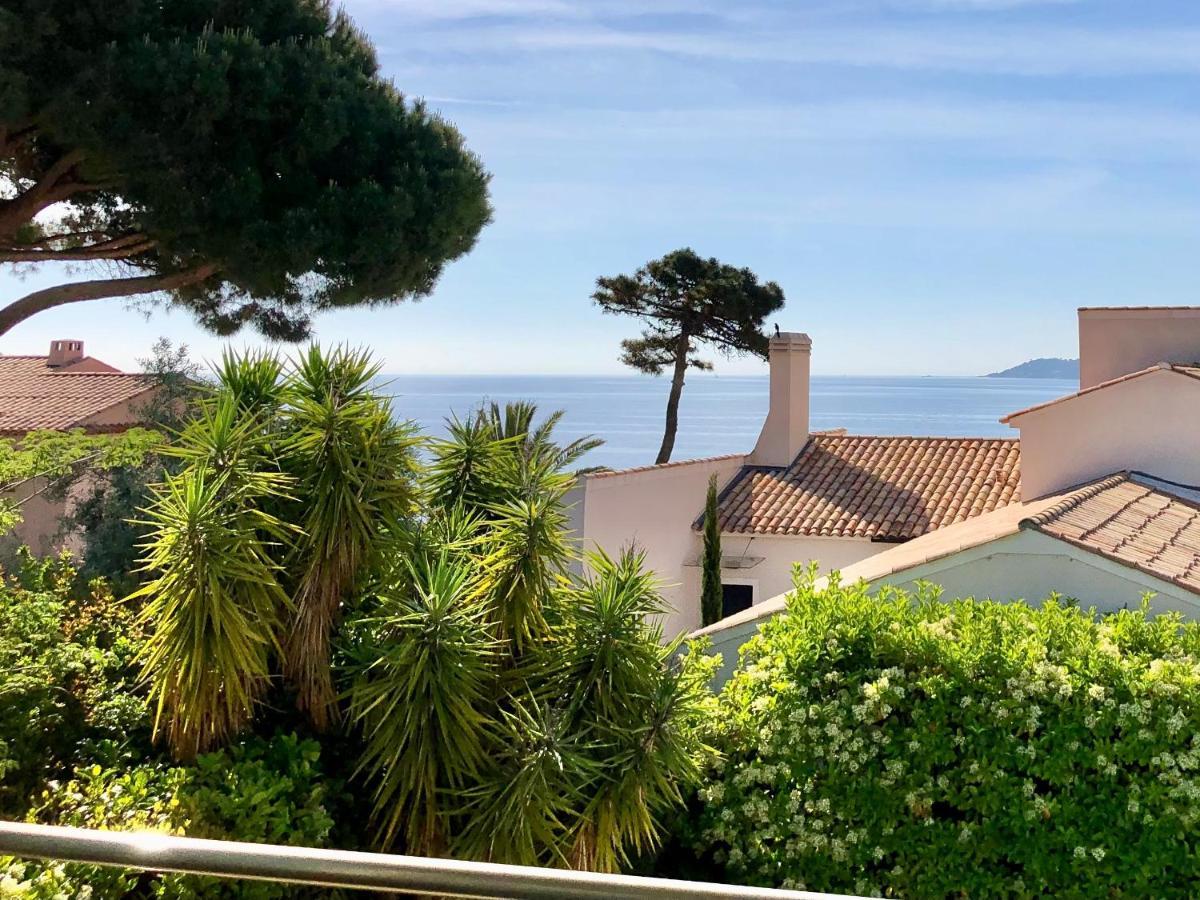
x=785, y=432
x=63, y=353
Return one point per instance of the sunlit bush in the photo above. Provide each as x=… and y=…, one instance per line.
x=903, y=746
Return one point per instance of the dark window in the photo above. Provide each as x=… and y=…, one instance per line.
x=735, y=598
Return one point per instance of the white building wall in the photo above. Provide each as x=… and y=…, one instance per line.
x=773, y=576
x=1115, y=341
x=1147, y=424
x=1026, y=566
x=1030, y=566
x=653, y=509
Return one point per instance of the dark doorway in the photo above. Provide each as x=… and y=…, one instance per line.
x=735, y=598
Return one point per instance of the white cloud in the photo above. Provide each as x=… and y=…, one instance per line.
x=1013, y=51
x=975, y=5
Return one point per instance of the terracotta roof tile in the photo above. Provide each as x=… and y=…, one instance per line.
x=608, y=473
x=1129, y=518
x=881, y=488
x=34, y=396
x=1134, y=520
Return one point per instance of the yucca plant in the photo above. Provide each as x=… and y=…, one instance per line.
x=423, y=698
x=215, y=608
x=583, y=724
x=291, y=480
x=354, y=468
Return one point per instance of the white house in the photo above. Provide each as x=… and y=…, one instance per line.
x=1108, y=508
x=1092, y=501
x=797, y=496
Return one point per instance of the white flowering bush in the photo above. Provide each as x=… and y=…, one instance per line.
x=898, y=745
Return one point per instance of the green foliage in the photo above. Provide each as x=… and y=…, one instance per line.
x=902, y=746
x=686, y=300
x=246, y=157
x=509, y=712
x=292, y=479
x=41, y=459
x=263, y=791
x=215, y=609
x=67, y=679
x=711, y=595
x=353, y=470
x=105, y=505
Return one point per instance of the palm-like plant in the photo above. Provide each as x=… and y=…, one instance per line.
x=215, y=608
x=422, y=699
x=290, y=481
x=354, y=468
x=588, y=725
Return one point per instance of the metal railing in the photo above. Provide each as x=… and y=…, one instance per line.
x=149, y=851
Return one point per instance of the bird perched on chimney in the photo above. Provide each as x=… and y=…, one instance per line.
x=776, y=329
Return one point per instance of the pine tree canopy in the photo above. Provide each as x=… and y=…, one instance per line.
x=243, y=156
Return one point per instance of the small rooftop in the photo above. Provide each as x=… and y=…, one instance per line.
x=879, y=488
x=1132, y=519
x=61, y=390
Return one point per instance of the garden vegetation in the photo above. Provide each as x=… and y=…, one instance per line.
x=902, y=746
x=350, y=635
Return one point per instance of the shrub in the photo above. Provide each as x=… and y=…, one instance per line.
x=903, y=746
x=67, y=679
x=265, y=791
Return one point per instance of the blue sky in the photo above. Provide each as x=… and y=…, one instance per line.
x=936, y=184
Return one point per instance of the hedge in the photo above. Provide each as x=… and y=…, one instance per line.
x=899, y=745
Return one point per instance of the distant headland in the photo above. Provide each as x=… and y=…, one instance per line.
x=1046, y=367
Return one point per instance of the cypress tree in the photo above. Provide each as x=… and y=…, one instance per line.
x=710, y=566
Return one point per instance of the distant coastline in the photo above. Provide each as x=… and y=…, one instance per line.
x=1045, y=367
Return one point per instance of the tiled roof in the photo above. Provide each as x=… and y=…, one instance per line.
x=608, y=473
x=34, y=396
x=1129, y=518
x=1192, y=370
x=1134, y=520
x=881, y=488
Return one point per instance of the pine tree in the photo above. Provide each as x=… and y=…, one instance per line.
x=687, y=301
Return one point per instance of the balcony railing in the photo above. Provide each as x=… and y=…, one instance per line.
x=148, y=851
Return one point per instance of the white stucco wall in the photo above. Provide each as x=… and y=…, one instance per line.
x=1146, y=424
x=773, y=576
x=1030, y=566
x=1115, y=342
x=655, y=509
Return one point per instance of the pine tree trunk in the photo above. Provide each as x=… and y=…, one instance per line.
x=682, y=346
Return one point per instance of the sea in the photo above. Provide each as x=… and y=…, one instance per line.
x=720, y=413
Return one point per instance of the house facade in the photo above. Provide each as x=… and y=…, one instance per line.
x=1094, y=499
x=1108, y=508
x=61, y=391
x=827, y=497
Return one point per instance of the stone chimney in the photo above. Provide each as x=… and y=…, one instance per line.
x=785, y=432
x=63, y=353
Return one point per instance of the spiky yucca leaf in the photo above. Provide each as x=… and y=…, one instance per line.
x=354, y=467
x=214, y=608
x=640, y=704
x=527, y=556
x=422, y=699
x=515, y=421
x=521, y=811
x=253, y=380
